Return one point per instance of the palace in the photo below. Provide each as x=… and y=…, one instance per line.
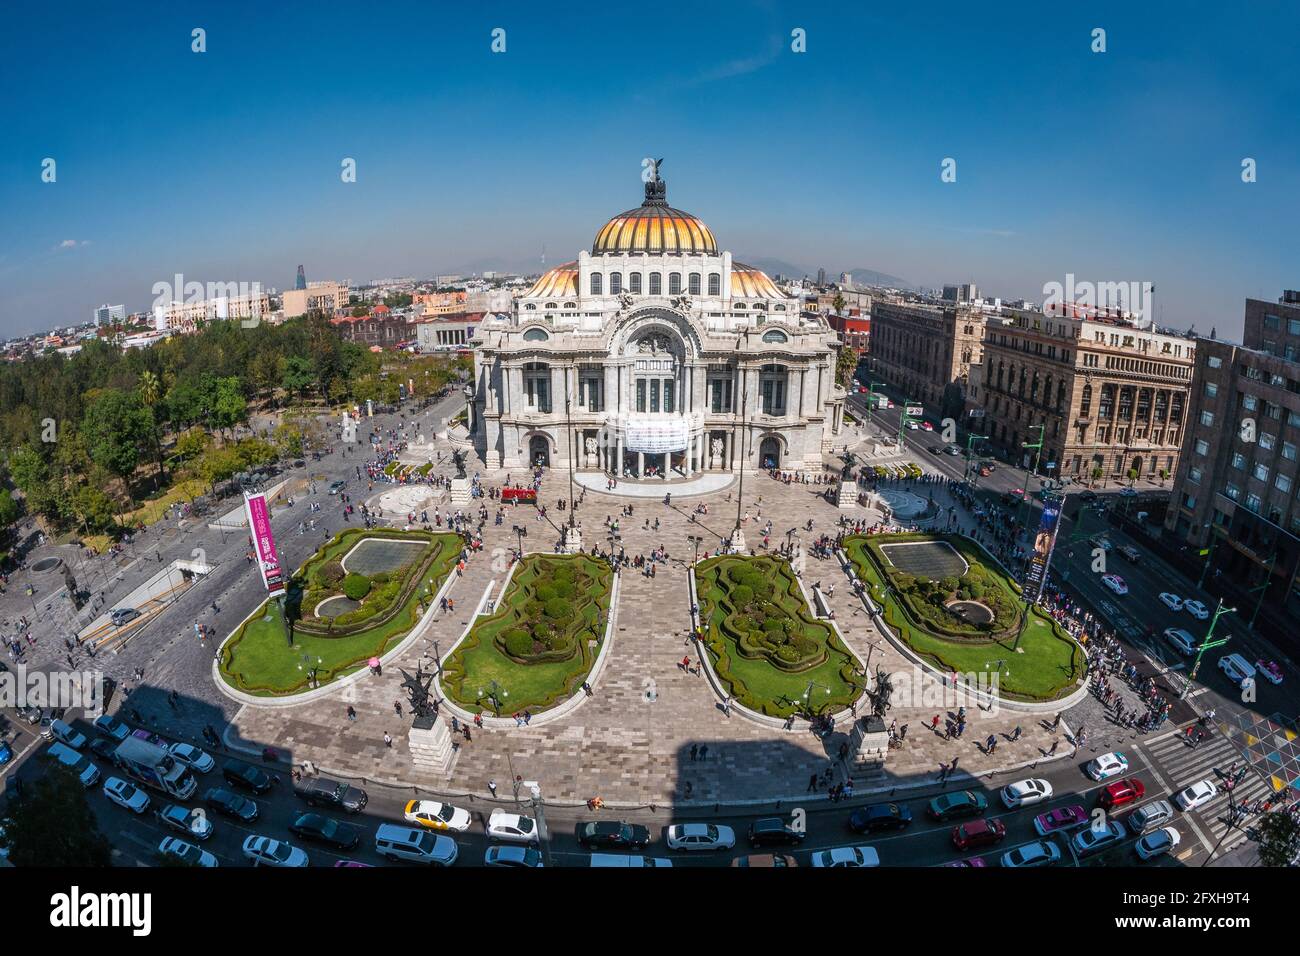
x=655, y=355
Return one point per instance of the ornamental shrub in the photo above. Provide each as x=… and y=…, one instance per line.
x=356, y=586
x=742, y=595
x=519, y=643
x=330, y=574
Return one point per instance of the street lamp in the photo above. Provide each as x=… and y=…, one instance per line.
x=695, y=540
x=1206, y=645
x=807, y=694
x=970, y=451
x=494, y=693
x=520, y=533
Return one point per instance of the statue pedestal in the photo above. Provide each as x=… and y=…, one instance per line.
x=430, y=743
x=736, y=543
x=572, y=542
x=847, y=494
x=868, y=745
x=460, y=491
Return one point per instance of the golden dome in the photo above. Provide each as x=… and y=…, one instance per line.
x=750, y=283
x=656, y=228
x=558, y=283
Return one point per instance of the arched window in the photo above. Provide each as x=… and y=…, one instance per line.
x=570, y=305
x=693, y=283
x=739, y=305
x=530, y=306
x=715, y=283
x=551, y=305
x=779, y=308
x=656, y=284
x=776, y=335
x=596, y=283
x=634, y=283
x=674, y=283
x=615, y=283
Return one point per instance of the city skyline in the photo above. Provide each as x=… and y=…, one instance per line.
x=1123, y=166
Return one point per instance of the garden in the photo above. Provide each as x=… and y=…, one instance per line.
x=356, y=598
x=771, y=654
x=966, y=620
x=539, y=644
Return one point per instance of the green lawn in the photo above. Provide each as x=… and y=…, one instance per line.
x=258, y=659
x=469, y=671
x=1048, y=664
x=755, y=681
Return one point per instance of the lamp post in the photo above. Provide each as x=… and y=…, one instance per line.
x=1263, y=589
x=970, y=451
x=494, y=693
x=1030, y=469
x=539, y=810
x=737, y=535
x=807, y=694
x=695, y=540
x=1206, y=645
x=520, y=533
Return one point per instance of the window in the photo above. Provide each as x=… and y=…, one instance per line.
x=674, y=283
x=656, y=283
x=1266, y=441
x=1253, y=502
x=668, y=395
x=693, y=283
x=715, y=283
x=1207, y=419
x=1261, y=472
x=634, y=283
x=1288, y=451
x=1202, y=447
x=1238, y=461
x=654, y=394
x=1211, y=390
x=1214, y=362
x=1233, y=492
x=720, y=395
x=615, y=283
x=775, y=335
x=640, y=395
x=1194, y=474
x=1282, y=483
x=1272, y=323
x=535, y=335
x=1249, y=402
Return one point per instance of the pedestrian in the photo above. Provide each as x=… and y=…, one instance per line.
x=388, y=741
x=694, y=751
x=397, y=706
x=934, y=723
x=812, y=784
x=704, y=751
x=1015, y=734
x=492, y=787
x=1055, y=743
x=352, y=712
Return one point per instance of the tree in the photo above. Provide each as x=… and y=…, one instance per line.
x=52, y=824
x=846, y=363
x=1164, y=475
x=116, y=426
x=297, y=375
x=1279, y=839
x=838, y=303
x=1095, y=474
x=9, y=509
x=1132, y=477
x=229, y=407
x=150, y=390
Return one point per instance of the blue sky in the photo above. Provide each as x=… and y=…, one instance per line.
x=224, y=166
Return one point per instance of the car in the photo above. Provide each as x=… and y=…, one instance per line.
x=1157, y=843
x=1149, y=816
x=6, y=753
x=64, y=734
x=1115, y=583
x=194, y=823
x=246, y=776
x=1120, y=793
x=764, y=861
x=1038, y=853
x=1271, y=670
x=1238, y=670
x=436, y=815
x=1197, y=795
x=1182, y=642
x=954, y=450
x=1088, y=495
x=1196, y=609
x=187, y=853
x=1022, y=793
x=518, y=856
x=980, y=832
x=700, y=836
x=114, y=728
x=613, y=835
x=1131, y=553
x=912, y=426
x=322, y=791
x=122, y=615
x=126, y=795
x=512, y=827
x=322, y=829
x=970, y=862
x=1094, y=839
x=957, y=805
x=394, y=842
x=1100, y=541
x=935, y=449
x=231, y=804
x=880, y=816
x=1128, y=492
x=1107, y=765
x=926, y=426
x=192, y=757
x=264, y=851
x=843, y=856
x=1171, y=600
x=1060, y=820
x=337, y=486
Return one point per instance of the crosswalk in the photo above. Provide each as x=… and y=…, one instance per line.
x=1181, y=766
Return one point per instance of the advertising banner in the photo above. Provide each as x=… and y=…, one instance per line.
x=656, y=435
x=1041, y=556
x=259, y=526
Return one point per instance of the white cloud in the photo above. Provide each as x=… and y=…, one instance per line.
x=72, y=243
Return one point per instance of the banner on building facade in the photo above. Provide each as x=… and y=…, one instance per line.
x=654, y=436
x=259, y=526
x=1041, y=556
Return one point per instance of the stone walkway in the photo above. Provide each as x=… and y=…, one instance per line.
x=632, y=742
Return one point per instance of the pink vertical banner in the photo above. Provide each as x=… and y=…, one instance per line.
x=259, y=525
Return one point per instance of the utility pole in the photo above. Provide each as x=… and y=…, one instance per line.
x=1030, y=469
x=1263, y=589
x=539, y=808
x=1206, y=645
x=1209, y=555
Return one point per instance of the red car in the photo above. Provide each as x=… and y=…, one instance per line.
x=981, y=832
x=1120, y=792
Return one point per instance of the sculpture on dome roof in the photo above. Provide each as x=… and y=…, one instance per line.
x=656, y=190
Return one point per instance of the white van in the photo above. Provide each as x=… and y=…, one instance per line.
x=627, y=860
x=1238, y=669
x=418, y=846
x=86, y=771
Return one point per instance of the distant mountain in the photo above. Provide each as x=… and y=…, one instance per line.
x=776, y=266
x=872, y=277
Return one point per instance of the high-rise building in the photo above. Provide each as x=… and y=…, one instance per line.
x=327, y=297
x=821, y=276
x=301, y=281
x=108, y=314
x=965, y=293
x=1235, y=489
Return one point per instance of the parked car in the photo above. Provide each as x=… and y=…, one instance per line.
x=1023, y=793
x=436, y=815
x=246, y=776
x=1182, y=642
x=524, y=857
x=1197, y=795
x=64, y=734
x=327, y=830
x=122, y=615
x=1107, y=765
x=1196, y=609
x=187, y=853
x=1239, y=671
x=116, y=729
x=324, y=792
x=512, y=827
x=1060, y=819
x=264, y=851
x=231, y=804
x=85, y=771
x=1171, y=600
x=846, y=856
x=193, y=823
x=126, y=795
x=957, y=805
x=613, y=835
x=192, y=757
x=976, y=833
x=394, y=842
x=1157, y=843
x=1119, y=793
x=700, y=836
x=1038, y=853
x=1094, y=839
x=880, y=816
x=337, y=486
x=1149, y=816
